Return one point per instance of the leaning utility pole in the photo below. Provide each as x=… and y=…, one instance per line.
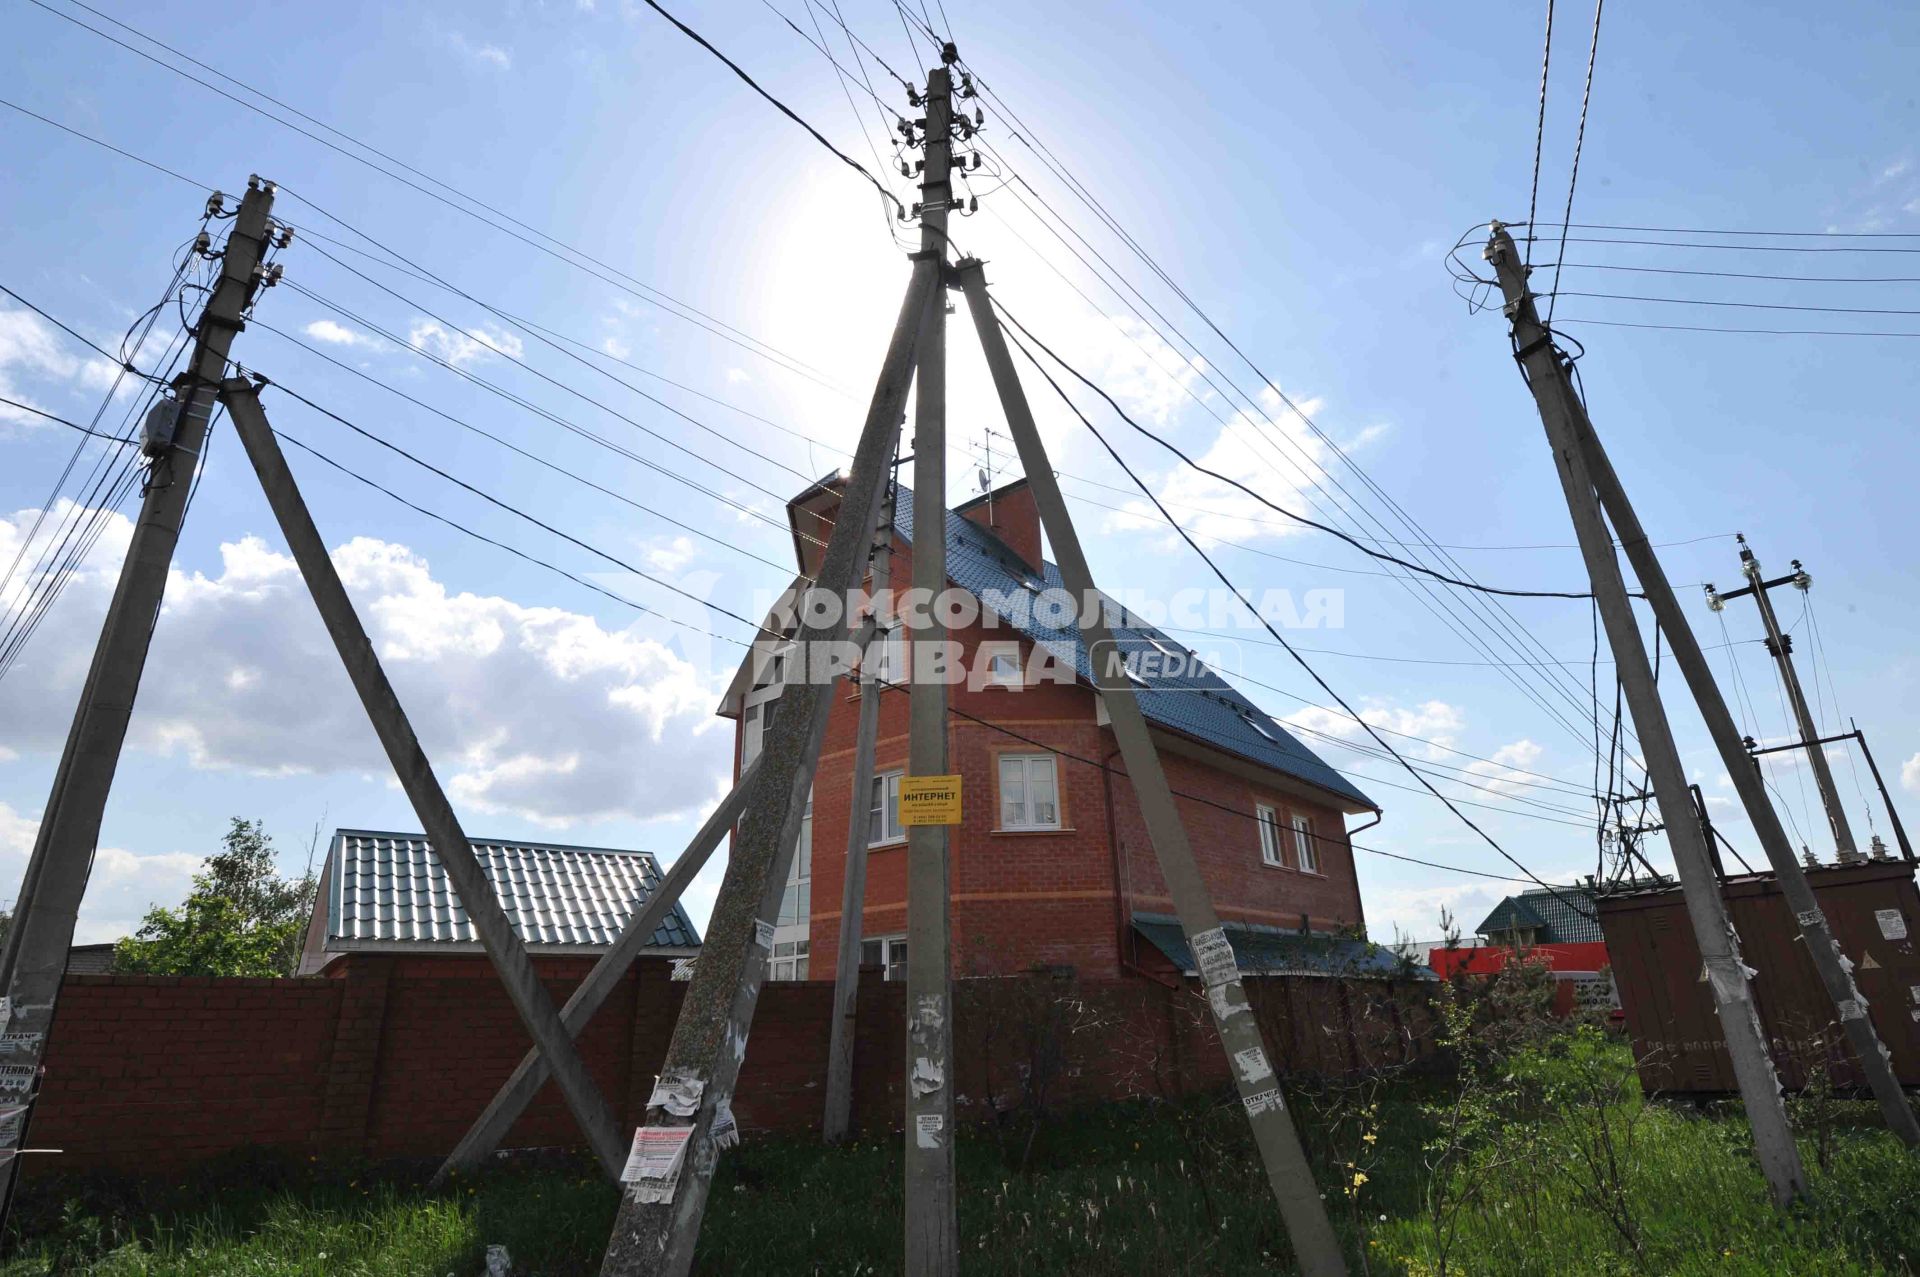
x=62, y=858
x=1780, y=645
x=1560, y=413
x=674, y=1155
x=932, y=1227
x=853, y=889
x=1290, y=1178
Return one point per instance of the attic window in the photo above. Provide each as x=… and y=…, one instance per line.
x=1133, y=675
x=1162, y=646
x=1031, y=584
x=1259, y=726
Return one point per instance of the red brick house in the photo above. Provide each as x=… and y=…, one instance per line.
x=1051, y=865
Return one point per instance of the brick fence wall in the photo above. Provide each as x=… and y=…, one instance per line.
x=394, y=1057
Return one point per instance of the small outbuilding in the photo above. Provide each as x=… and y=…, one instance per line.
x=388, y=893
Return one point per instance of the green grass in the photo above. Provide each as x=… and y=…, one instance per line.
x=1147, y=1189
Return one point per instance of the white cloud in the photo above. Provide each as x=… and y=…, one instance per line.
x=617, y=348
x=34, y=350
x=736, y=375
x=1434, y=721
x=536, y=712
x=1910, y=775
x=486, y=55
x=458, y=348
x=670, y=554
x=337, y=334
x=123, y=885
x=1504, y=771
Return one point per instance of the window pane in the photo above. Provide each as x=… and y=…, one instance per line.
x=1013, y=792
x=800, y=969
x=1040, y=785
x=876, y=815
x=870, y=953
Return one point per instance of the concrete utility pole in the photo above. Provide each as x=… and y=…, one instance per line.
x=1713, y=931
x=1835, y=973
x=674, y=1155
x=484, y=1136
x=1291, y=1179
x=415, y=773
x=62, y=859
x=853, y=890
x=1780, y=645
x=932, y=1227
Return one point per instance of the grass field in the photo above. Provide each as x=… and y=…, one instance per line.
x=1147, y=1189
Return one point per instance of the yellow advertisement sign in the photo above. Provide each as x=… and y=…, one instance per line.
x=929, y=800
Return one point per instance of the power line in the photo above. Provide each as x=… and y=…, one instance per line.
x=1191, y=464
x=534, y=457
x=1708, y=328
x=782, y=107
x=1498, y=622
x=1539, y=132
x=1278, y=637
x=465, y=530
x=1579, y=141
x=1700, y=230
x=1730, y=274
x=518, y=513
x=1739, y=305
x=635, y=287
x=62, y=421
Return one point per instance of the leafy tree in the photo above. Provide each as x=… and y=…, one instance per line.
x=241, y=918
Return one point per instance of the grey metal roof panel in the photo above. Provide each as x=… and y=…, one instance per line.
x=1262, y=950
x=391, y=888
x=1198, y=703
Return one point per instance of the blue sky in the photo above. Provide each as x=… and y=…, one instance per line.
x=1300, y=171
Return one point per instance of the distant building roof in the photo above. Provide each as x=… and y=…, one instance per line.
x=91, y=959
x=1555, y=916
x=389, y=891
x=1198, y=703
x=1263, y=950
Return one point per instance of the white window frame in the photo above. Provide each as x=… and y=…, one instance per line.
x=790, y=961
x=887, y=964
x=1260, y=728
x=1267, y=817
x=891, y=830
x=995, y=653
x=1028, y=764
x=1304, y=852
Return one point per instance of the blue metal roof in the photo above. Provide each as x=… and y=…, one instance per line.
x=1262, y=950
x=1198, y=703
x=388, y=889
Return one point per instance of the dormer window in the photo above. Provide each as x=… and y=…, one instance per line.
x=1258, y=725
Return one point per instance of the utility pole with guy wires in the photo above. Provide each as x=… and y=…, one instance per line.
x=1780, y=647
x=56, y=879
x=1565, y=420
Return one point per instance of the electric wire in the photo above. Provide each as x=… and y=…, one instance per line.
x=1539, y=133
x=1573, y=179
x=1324, y=686
x=645, y=292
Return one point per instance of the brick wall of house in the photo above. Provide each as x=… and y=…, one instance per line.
x=387, y=1057
x=1060, y=897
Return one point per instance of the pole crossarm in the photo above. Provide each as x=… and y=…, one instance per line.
x=416, y=776
x=491, y=1127
x=1291, y=1179
x=1570, y=439
x=658, y=1224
